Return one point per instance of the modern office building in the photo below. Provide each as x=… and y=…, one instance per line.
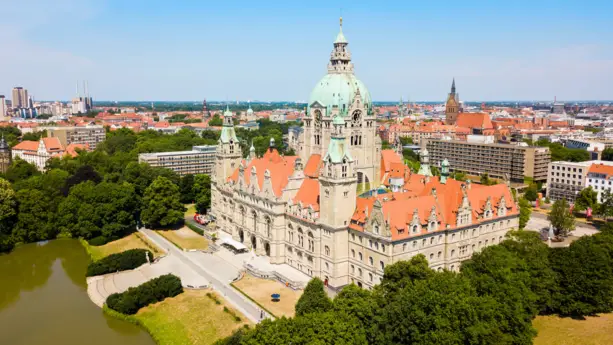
x=200, y=160
x=502, y=161
x=89, y=135
x=566, y=179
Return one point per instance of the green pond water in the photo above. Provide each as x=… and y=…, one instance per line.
x=43, y=300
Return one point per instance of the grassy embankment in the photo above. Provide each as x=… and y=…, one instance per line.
x=132, y=241
x=595, y=330
x=185, y=238
x=191, y=318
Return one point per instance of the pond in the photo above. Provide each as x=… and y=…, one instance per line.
x=43, y=300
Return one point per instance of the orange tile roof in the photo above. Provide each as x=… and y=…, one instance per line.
x=601, y=169
x=71, y=149
x=53, y=144
x=313, y=165
x=27, y=145
x=425, y=195
x=308, y=194
x=280, y=168
x=474, y=120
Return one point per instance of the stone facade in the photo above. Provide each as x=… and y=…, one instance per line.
x=304, y=210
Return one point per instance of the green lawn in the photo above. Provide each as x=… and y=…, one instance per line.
x=191, y=318
x=597, y=330
x=132, y=241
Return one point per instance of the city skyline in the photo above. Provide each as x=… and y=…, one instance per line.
x=130, y=52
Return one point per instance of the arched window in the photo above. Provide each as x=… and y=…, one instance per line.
x=414, y=228
x=353, y=253
x=371, y=261
x=255, y=221
x=452, y=252
x=268, y=227
x=431, y=256
x=300, y=237
x=360, y=255
x=327, y=250
x=382, y=265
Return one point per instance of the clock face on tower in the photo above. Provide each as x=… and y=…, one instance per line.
x=317, y=118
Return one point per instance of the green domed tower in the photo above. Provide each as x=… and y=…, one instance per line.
x=340, y=93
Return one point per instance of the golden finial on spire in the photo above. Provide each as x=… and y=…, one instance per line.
x=341, y=19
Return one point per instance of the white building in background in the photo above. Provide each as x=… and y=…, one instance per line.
x=600, y=178
x=200, y=160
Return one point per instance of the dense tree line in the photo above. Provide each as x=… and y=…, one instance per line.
x=561, y=153
x=491, y=301
x=100, y=195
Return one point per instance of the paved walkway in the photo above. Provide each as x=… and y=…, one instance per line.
x=215, y=270
x=100, y=287
x=539, y=221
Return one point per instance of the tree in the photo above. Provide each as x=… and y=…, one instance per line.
x=403, y=273
x=585, y=276
x=186, y=187
x=606, y=207
x=34, y=136
x=486, y=181
x=587, y=198
x=21, y=170
x=525, y=210
x=314, y=299
x=216, y=121
x=531, y=193
x=202, y=192
x=528, y=246
x=459, y=176
x=607, y=154
x=360, y=304
x=35, y=219
x=162, y=205
x=505, y=276
x=443, y=309
x=8, y=214
x=406, y=140
x=84, y=173
x=561, y=218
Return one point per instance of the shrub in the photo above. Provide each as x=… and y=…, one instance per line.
x=98, y=241
x=155, y=290
x=127, y=260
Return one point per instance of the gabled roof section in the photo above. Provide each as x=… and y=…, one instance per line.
x=313, y=166
x=308, y=194
x=280, y=168
x=474, y=120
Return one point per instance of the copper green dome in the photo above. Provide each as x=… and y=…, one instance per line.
x=339, y=89
x=340, y=85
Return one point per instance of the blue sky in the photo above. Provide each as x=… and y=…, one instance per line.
x=278, y=50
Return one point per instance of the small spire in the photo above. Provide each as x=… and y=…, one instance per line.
x=453, y=86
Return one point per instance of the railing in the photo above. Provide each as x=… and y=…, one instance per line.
x=273, y=276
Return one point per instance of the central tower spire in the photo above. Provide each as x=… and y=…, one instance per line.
x=340, y=59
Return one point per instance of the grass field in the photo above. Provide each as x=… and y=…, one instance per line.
x=185, y=238
x=191, y=211
x=132, y=241
x=261, y=289
x=191, y=318
x=597, y=330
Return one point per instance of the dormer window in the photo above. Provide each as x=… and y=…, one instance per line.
x=376, y=229
x=414, y=228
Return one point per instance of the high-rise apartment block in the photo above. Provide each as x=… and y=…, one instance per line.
x=200, y=160
x=503, y=161
x=90, y=135
x=3, y=110
x=20, y=97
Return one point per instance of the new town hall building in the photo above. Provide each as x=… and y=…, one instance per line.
x=304, y=210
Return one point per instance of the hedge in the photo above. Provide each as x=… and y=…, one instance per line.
x=155, y=290
x=127, y=260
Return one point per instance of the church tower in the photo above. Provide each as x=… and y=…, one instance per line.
x=340, y=93
x=228, y=153
x=424, y=160
x=338, y=180
x=5, y=155
x=452, y=107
